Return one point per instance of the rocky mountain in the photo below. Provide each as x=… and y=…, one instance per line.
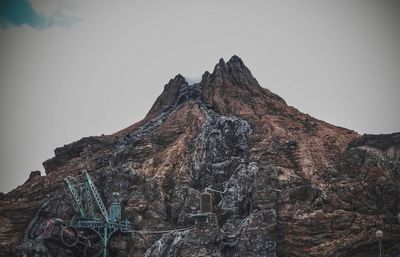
x=283, y=183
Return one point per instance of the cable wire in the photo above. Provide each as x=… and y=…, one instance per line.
x=159, y=231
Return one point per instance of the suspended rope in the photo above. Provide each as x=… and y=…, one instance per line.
x=159, y=231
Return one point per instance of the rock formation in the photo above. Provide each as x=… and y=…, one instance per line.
x=285, y=184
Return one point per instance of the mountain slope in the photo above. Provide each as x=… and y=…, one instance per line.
x=292, y=185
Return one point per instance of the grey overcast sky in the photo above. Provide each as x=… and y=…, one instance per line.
x=70, y=69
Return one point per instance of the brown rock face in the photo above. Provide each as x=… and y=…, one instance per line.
x=283, y=183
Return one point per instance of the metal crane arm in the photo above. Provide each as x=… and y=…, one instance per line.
x=96, y=196
x=77, y=201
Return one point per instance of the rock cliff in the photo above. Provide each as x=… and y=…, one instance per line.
x=284, y=183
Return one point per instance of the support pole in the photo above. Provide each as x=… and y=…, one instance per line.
x=105, y=236
x=379, y=235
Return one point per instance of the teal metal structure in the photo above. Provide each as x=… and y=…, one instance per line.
x=87, y=202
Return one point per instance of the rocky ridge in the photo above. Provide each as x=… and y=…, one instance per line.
x=292, y=185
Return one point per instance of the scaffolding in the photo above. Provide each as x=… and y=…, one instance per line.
x=84, y=196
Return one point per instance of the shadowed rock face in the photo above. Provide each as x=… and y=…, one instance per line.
x=292, y=185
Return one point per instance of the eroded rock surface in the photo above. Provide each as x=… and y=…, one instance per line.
x=283, y=183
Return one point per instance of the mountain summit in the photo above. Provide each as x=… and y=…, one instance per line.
x=227, y=86
x=282, y=182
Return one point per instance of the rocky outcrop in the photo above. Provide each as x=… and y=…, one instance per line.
x=283, y=183
x=85, y=146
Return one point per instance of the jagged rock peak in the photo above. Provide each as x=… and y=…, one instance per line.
x=235, y=64
x=227, y=89
x=168, y=96
x=234, y=60
x=178, y=79
x=177, y=87
x=231, y=89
